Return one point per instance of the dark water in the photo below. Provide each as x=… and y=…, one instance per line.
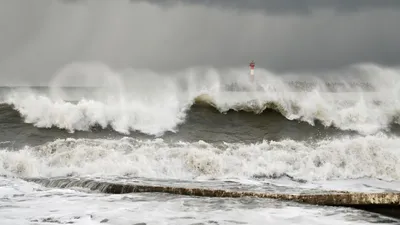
x=202, y=123
x=266, y=151
x=25, y=121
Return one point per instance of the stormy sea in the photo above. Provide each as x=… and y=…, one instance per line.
x=197, y=128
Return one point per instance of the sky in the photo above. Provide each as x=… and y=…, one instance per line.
x=39, y=38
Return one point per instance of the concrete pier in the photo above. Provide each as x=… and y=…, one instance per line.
x=387, y=204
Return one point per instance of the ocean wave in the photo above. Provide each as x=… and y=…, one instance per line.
x=375, y=157
x=344, y=112
x=156, y=103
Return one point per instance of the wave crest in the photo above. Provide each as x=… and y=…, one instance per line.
x=162, y=102
x=346, y=158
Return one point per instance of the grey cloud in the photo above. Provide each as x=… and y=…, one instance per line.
x=285, y=6
x=121, y=34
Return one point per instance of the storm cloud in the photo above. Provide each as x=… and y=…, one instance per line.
x=286, y=6
x=40, y=37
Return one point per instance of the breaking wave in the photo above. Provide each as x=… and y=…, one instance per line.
x=345, y=158
x=153, y=103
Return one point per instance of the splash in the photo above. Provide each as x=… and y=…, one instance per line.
x=363, y=98
x=375, y=157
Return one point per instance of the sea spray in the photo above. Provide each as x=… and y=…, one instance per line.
x=375, y=157
x=130, y=100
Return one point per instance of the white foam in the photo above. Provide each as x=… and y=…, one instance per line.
x=375, y=157
x=155, y=103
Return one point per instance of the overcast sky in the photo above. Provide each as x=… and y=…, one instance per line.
x=39, y=37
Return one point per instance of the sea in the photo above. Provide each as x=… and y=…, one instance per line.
x=198, y=127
